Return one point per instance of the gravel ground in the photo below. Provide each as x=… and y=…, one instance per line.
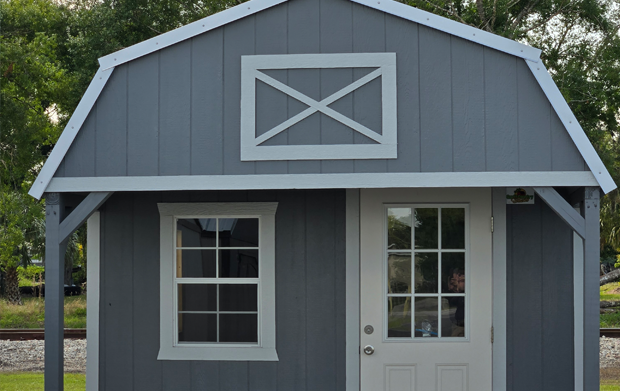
x=28, y=355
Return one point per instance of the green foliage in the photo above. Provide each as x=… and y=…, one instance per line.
x=29, y=276
x=33, y=381
x=31, y=315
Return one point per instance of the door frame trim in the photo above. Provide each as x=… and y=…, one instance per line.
x=498, y=370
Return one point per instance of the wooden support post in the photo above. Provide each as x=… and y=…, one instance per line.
x=54, y=294
x=591, y=247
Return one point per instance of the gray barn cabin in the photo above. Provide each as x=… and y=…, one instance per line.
x=328, y=195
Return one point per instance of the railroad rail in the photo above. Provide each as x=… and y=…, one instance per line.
x=30, y=334
x=610, y=333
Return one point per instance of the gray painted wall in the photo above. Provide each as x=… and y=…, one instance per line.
x=539, y=299
x=461, y=107
x=310, y=297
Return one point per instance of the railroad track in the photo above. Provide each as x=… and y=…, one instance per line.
x=610, y=333
x=30, y=334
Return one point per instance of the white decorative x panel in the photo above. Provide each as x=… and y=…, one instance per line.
x=385, y=142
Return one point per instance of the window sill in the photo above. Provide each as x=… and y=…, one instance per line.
x=218, y=353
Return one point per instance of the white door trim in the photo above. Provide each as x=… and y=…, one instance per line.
x=93, y=253
x=499, y=289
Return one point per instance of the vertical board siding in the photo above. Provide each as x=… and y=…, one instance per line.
x=310, y=297
x=500, y=85
x=540, y=318
x=401, y=37
x=534, y=122
x=336, y=27
x=435, y=100
x=80, y=160
x=207, y=127
x=175, y=109
x=142, y=118
x=238, y=41
x=111, y=126
x=462, y=107
x=468, y=106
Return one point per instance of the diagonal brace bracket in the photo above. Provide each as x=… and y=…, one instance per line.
x=562, y=209
x=81, y=213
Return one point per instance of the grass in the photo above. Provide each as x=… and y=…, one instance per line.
x=607, y=292
x=610, y=379
x=31, y=315
x=33, y=381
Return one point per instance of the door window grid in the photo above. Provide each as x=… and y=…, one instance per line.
x=411, y=295
x=217, y=281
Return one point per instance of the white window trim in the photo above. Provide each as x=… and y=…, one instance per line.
x=265, y=350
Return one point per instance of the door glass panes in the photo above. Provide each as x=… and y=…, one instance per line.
x=217, y=278
x=426, y=272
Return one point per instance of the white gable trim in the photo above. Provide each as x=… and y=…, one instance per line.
x=68, y=134
x=188, y=31
x=454, y=28
x=573, y=127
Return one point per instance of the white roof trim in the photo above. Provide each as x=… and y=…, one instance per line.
x=188, y=31
x=573, y=127
x=70, y=131
x=454, y=28
x=324, y=181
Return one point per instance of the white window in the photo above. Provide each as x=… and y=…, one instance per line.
x=217, y=281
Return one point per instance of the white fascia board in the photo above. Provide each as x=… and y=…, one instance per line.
x=555, y=97
x=68, y=134
x=324, y=181
x=454, y=28
x=188, y=31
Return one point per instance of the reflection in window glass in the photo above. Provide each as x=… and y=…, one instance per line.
x=197, y=327
x=453, y=316
x=399, y=273
x=239, y=263
x=453, y=273
x=426, y=275
x=399, y=228
x=196, y=232
x=238, y=232
x=197, y=297
x=426, y=319
x=453, y=228
x=426, y=228
x=238, y=297
x=238, y=328
x=399, y=317
x=196, y=263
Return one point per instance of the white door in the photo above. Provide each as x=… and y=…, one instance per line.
x=426, y=290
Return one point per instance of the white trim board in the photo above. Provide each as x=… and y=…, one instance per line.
x=93, y=240
x=324, y=181
x=572, y=126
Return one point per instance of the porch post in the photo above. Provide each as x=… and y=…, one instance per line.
x=54, y=293
x=591, y=257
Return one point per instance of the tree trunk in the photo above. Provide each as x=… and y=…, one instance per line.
x=612, y=276
x=12, y=286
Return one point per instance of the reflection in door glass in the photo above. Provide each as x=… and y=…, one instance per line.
x=453, y=228
x=426, y=228
x=426, y=317
x=399, y=228
x=399, y=273
x=399, y=317
x=453, y=316
x=453, y=273
x=426, y=273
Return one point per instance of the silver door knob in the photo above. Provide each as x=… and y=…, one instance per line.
x=368, y=349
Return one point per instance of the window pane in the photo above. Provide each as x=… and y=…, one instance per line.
x=453, y=316
x=238, y=297
x=399, y=228
x=425, y=228
x=453, y=228
x=196, y=263
x=238, y=232
x=197, y=328
x=239, y=263
x=399, y=273
x=453, y=272
x=238, y=328
x=197, y=297
x=399, y=317
x=196, y=232
x=426, y=317
x=426, y=280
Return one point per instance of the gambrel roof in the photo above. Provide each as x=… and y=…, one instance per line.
x=530, y=55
